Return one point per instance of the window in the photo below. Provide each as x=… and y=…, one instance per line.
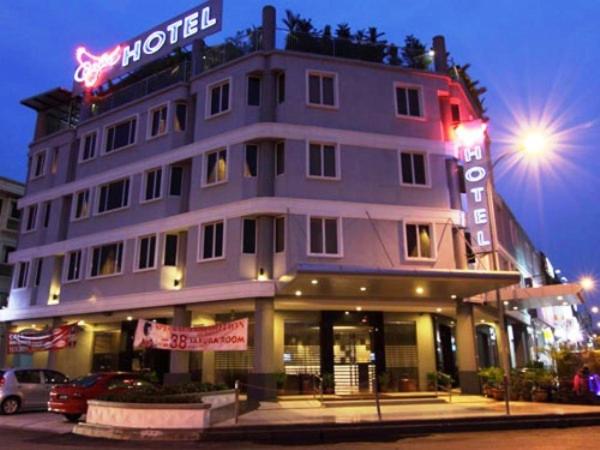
x=120, y=135
x=180, y=118
x=216, y=167
x=413, y=168
x=171, y=243
x=7, y=251
x=158, y=121
x=418, y=241
x=73, y=266
x=455, y=112
x=54, y=162
x=146, y=253
x=31, y=218
x=254, y=90
x=281, y=87
x=52, y=377
x=152, y=185
x=28, y=376
x=212, y=240
x=249, y=236
x=81, y=206
x=251, y=162
x=47, y=209
x=175, y=182
x=12, y=222
x=280, y=158
x=324, y=236
x=279, y=234
x=322, y=160
x=88, y=146
x=322, y=89
x=22, y=275
x=408, y=101
x=219, y=98
x=38, y=272
x=107, y=260
x=113, y=196
x=39, y=164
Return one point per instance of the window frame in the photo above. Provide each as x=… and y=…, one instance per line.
x=419, y=88
x=143, y=200
x=245, y=160
x=338, y=165
x=97, y=189
x=80, y=158
x=150, y=112
x=25, y=221
x=426, y=161
x=114, y=124
x=259, y=77
x=90, y=263
x=46, y=213
x=208, y=98
x=74, y=205
x=164, y=249
x=174, y=118
x=16, y=276
x=432, y=235
x=340, y=237
x=32, y=175
x=136, y=253
x=336, y=90
x=280, y=88
x=37, y=266
x=205, y=156
x=277, y=144
x=284, y=219
x=254, y=219
x=200, y=248
x=171, y=167
x=65, y=271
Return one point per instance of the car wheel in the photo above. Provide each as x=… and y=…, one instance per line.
x=72, y=417
x=10, y=405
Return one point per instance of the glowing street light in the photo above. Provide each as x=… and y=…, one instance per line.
x=587, y=283
x=594, y=310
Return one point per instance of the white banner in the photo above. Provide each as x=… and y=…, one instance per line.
x=228, y=336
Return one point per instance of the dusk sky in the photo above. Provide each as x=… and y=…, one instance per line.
x=538, y=58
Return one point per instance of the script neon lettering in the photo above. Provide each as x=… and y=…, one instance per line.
x=91, y=66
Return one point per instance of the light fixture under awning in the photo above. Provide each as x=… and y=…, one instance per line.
x=348, y=281
x=542, y=296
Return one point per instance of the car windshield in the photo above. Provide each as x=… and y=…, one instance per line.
x=87, y=381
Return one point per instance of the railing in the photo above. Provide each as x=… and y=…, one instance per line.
x=242, y=44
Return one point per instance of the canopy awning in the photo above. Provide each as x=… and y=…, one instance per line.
x=539, y=297
x=330, y=280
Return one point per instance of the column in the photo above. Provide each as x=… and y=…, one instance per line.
x=466, y=348
x=425, y=348
x=53, y=354
x=263, y=379
x=179, y=363
x=208, y=358
x=440, y=58
x=4, y=327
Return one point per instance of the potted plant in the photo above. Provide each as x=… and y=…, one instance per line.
x=431, y=381
x=280, y=380
x=385, y=382
x=492, y=379
x=328, y=383
x=516, y=385
x=544, y=381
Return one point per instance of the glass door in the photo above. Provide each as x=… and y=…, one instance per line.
x=354, y=369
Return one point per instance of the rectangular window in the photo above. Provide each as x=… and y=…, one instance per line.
x=280, y=158
x=113, y=195
x=12, y=223
x=281, y=87
x=22, y=275
x=152, y=185
x=88, y=146
x=455, y=111
x=171, y=243
x=408, y=101
x=212, y=240
x=54, y=162
x=81, y=207
x=418, y=241
x=38, y=272
x=7, y=251
x=47, y=208
x=216, y=167
x=254, y=90
x=146, y=256
x=158, y=121
x=322, y=89
x=324, y=236
x=180, y=119
x=251, y=160
x=322, y=160
x=176, y=180
x=31, y=218
x=413, y=168
x=249, y=236
x=219, y=98
x=120, y=135
x=39, y=164
x=279, y=234
x=73, y=266
x=107, y=260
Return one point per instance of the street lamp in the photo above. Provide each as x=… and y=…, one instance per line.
x=594, y=310
x=532, y=145
x=587, y=283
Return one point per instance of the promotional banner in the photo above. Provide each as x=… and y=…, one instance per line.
x=226, y=336
x=30, y=341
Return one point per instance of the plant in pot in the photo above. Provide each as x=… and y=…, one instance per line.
x=328, y=383
x=516, y=385
x=431, y=381
x=280, y=379
x=385, y=382
x=444, y=380
x=492, y=378
x=544, y=381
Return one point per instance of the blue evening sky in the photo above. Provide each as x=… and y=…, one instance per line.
x=538, y=58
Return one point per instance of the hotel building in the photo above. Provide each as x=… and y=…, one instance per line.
x=319, y=196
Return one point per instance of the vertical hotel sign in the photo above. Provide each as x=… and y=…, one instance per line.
x=471, y=147
x=93, y=69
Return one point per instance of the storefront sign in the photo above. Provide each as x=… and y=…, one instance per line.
x=30, y=341
x=197, y=23
x=471, y=145
x=226, y=336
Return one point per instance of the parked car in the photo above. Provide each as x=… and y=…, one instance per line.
x=71, y=399
x=27, y=389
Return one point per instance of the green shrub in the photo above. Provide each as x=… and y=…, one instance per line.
x=177, y=393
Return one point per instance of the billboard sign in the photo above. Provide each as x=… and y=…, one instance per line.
x=30, y=341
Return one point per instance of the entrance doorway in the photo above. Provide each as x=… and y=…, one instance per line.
x=353, y=359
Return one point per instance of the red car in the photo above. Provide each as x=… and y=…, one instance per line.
x=71, y=399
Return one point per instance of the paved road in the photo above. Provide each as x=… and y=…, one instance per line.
x=564, y=439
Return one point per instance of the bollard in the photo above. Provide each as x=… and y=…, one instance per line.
x=376, y=386
x=236, y=406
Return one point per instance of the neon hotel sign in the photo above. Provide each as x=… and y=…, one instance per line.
x=471, y=145
x=196, y=23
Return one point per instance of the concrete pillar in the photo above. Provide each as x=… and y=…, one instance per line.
x=262, y=380
x=179, y=364
x=208, y=358
x=466, y=348
x=4, y=327
x=279, y=342
x=425, y=348
x=268, y=27
x=440, y=59
x=52, y=363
